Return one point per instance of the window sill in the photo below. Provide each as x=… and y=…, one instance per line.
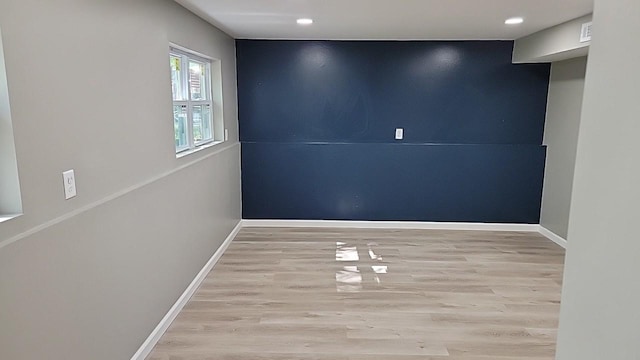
x=4, y=218
x=199, y=148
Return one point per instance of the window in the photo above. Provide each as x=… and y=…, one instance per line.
x=10, y=200
x=193, y=105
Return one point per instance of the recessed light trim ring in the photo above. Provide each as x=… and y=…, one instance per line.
x=514, y=21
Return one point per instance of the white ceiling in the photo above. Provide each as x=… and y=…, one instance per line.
x=385, y=19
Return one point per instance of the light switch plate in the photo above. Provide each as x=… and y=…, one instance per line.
x=399, y=133
x=69, y=179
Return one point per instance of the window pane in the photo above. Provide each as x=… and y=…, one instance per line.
x=176, y=79
x=197, y=80
x=180, y=126
x=207, y=130
x=202, y=130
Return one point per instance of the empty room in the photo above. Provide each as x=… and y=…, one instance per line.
x=319, y=180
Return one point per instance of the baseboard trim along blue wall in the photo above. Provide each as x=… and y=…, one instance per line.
x=317, y=124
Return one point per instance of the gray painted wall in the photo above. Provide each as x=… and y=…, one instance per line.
x=91, y=277
x=564, y=106
x=556, y=43
x=599, y=315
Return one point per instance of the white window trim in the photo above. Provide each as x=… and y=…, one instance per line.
x=4, y=218
x=205, y=145
x=186, y=55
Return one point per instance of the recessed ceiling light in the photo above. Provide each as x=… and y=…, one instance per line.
x=514, y=21
x=304, y=21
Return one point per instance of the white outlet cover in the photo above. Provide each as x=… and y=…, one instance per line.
x=585, y=33
x=399, y=133
x=69, y=180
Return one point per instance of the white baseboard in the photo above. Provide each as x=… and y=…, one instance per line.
x=171, y=315
x=552, y=236
x=419, y=225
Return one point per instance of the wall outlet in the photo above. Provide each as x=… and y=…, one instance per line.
x=69, y=179
x=585, y=33
x=399, y=133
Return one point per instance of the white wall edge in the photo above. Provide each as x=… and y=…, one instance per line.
x=552, y=236
x=148, y=345
x=418, y=225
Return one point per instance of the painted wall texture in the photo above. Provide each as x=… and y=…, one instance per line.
x=317, y=122
x=90, y=90
x=599, y=314
x=566, y=89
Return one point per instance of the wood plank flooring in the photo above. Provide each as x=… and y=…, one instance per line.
x=352, y=294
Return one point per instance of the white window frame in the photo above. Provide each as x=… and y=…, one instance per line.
x=185, y=57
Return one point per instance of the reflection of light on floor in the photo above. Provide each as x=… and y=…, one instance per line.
x=349, y=279
x=379, y=269
x=346, y=253
x=373, y=255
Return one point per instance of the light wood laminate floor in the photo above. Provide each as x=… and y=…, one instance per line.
x=352, y=294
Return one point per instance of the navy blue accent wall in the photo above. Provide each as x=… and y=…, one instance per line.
x=317, y=121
